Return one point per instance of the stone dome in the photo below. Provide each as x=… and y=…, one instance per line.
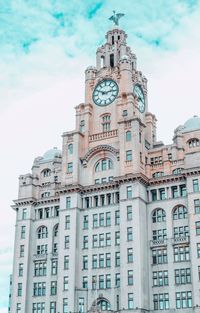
x=51, y=154
x=192, y=124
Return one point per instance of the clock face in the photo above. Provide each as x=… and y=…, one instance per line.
x=105, y=92
x=138, y=92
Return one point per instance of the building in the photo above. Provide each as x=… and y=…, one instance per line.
x=111, y=222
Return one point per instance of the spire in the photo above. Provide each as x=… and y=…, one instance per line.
x=115, y=18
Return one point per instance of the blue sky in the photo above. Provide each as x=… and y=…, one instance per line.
x=45, y=47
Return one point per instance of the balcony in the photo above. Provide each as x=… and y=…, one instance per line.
x=104, y=135
x=40, y=257
x=158, y=243
x=181, y=239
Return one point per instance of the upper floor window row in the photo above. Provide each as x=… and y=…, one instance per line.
x=103, y=165
x=42, y=232
x=156, y=160
x=193, y=143
x=158, y=174
x=179, y=212
x=46, y=172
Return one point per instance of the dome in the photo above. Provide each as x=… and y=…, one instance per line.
x=192, y=124
x=51, y=154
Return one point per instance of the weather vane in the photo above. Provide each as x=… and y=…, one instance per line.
x=115, y=17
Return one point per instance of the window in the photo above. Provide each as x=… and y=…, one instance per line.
x=85, y=282
x=94, y=261
x=101, y=240
x=70, y=148
x=108, y=260
x=45, y=194
x=101, y=260
x=181, y=254
x=180, y=212
x=108, y=219
x=159, y=256
x=52, y=307
x=46, y=172
x=117, y=280
x=195, y=185
x=174, y=190
x=82, y=126
x=53, y=288
x=130, y=255
x=161, y=301
x=162, y=194
x=19, y=290
x=66, y=262
x=18, y=308
x=158, y=216
x=154, y=195
x=65, y=283
x=66, y=242
x=130, y=277
x=158, y=174
x=94, y=282
x=69, y=167
x=156, y=160
x=129, y=233
x=197, y=206
x=193, y=143
x=182, y=276
x=177, y=171
x=101, y=281
x=101, y=219
x=108, y=239
x=39, y=307
x=65, y=305
x=197, y=224
x=183, y=191
x=128, y=135
x=21, y=253
x=199, y=272
x=68, y=202
x=159, y=234
x=21, y=268
x=129, y=212
x=85, y=262
x=40, y=268
x=129, y=192
x=42, y=232
x=54, y=267
x=106, y=121
x=94, y=241
x=23, y=232
x=108, y=281
x=85, y=242
x=104, y=165
x=81, y=305
x=117, y=217
x=67, y=222
x=183, y=299
x=117, y=259
x=39, y=289
x=112, y=60
x=117, y=238
x=41, y=249
x=125, y=113
x=160, y=278
x=95, y=220
x=24, y=214
x=103, y=305
x=130, y=301
x=182, y=231
x=129, y=155
x=85, y=222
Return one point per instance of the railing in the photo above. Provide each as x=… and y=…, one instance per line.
x=157, y=243
x=100, y=136
x=40, y=256
x=181, y=239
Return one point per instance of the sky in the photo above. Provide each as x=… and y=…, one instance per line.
x=45, y=46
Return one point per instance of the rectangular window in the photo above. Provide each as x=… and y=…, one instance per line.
x=117, y=280
x=101, y=260
x=129, y=213
x=181, y=254
x=94, y=261
x=40, y=268
x=94, y=241
x=160, y=278
x=108, y=239
x=198, y=250
x=182, y=276
x=39, y=289
x=154, y=195
x=130, y=255
x=52, y=307
x=174, y=190
x=66, y=262
x=82, y=126
x=108, y=219
x=159, y=256
x=199, y=272
x=21, y=267
x=159, y=234
x=183, y=299
x=101, y=281
x=108, y=281
x=129, y=155
x=53, y=288
x=195, y=183
x=161, y=301
x=197, y=206
x=95, y=220
x=101, y=240
x=117, y=259
x=101, y=219
x=68, y=202
x=162, y=194
x=130, y=301
x=54, y=267
x=67, y=222
x=23, y=232
x=65, y=283
x=85, y=262
x=94, y=282
x=197, y=224
x=85, y=282
x=69, y=167
x=24, y=214
x=182, y=231
x=41, y=249
x=85, y=222
x=19, y=290
x=117, y=238
x=21, y=253
x=65, y=305
x=19, y=308
x=183, y=191
x=108, y=259
x=130, y=277
x=85, y=242
x=129, y=234
x=39, y=307
x=66, y=243
x=117, y=217
x=129, y=192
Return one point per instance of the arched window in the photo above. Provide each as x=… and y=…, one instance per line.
x=193, y=143
x=102, y=61
x=103, y=165
x=55, y=231
x=177, y=171
x=180, y=212
x=158, y=216
x=112, y=60
x=158, y=174
x=46, y=172
x=103, y=305
x=42, y=232
x=70, y=148
x=45, y=194
x=128, y=135
x=106, y=120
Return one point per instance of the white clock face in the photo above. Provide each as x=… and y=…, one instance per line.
x=138, y=92
x=105, y=92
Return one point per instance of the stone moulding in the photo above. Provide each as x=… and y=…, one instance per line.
x=98, y=149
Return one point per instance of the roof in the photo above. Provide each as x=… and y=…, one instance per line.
x=192, y=124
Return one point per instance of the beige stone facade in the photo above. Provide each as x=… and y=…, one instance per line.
x=111, y=222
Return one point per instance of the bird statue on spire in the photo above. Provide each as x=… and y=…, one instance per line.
x=115, y=18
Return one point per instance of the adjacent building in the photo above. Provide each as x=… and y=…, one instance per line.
x=111, y=222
